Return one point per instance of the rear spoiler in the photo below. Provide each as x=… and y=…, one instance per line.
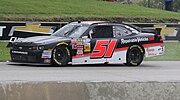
x=156, y=31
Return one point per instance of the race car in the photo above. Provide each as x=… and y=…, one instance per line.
x=88, y=42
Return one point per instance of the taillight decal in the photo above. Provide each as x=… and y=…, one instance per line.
x=153, y=44
x=151, y=38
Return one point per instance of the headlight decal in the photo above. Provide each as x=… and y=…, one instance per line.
x=36, y=48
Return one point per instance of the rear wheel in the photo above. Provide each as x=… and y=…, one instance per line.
x=61, y=56
x=134, y=56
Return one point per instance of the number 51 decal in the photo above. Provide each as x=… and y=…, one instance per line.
x=103, y=48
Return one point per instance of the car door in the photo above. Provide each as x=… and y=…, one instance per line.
x=96, y=46
x=99, y=45
x=103, y=43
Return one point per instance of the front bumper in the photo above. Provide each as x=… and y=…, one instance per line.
x=28, y=57
x=25, y=63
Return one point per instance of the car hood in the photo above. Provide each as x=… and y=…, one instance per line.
x=43, y=39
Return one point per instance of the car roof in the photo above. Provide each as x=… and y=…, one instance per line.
x=99, y=23
x=89, y=22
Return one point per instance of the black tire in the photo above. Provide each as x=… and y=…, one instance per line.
x=60, y=56
x=134, y=56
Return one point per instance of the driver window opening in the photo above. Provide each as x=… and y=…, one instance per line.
x=101, y=32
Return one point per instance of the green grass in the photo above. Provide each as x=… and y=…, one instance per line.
x=4, y=52
x=44, y=9
x=172, y=52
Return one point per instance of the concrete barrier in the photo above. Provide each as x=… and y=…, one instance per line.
x=90, y=91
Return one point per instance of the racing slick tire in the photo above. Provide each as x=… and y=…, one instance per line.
x=134, y=56
x=60, y=56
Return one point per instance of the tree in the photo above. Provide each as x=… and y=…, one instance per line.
x=160, y=4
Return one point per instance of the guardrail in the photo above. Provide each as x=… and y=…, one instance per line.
x=14, y=30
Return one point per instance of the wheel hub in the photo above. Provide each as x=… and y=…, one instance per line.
x=134, y=55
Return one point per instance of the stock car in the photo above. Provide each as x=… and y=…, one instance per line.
x=88, y=42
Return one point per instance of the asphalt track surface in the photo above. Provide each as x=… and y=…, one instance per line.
x=158, y=71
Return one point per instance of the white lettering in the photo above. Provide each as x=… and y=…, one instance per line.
x=138, y=39
x=20, y=52
x=1, y=30
x=13, y=39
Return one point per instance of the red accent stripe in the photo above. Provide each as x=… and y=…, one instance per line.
x=121, y=49
x=44, y=56
x=84, y=55
x=151, y=38
x=88, y=54
x=153, y=44
x=161, y=38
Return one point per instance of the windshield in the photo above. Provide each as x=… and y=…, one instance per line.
x=71, y=30
x=78, y=31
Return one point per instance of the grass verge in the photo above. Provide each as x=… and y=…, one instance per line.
x=4, y=52
x=68, y=10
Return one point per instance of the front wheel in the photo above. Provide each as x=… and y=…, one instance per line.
x=61, y=56
x=134, y=56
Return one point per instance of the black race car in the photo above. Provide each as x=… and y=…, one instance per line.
x=88, y=42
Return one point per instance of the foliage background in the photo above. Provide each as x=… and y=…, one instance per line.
x=160, y=4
